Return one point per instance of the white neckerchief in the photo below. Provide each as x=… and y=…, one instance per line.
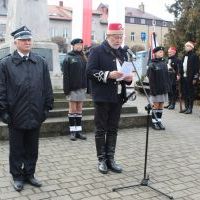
x=185, y=62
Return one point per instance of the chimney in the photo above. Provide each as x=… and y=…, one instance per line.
x=61, y=3
x=141, y=7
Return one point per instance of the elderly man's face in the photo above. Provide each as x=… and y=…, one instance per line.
x=115, y=41
x=24, y=46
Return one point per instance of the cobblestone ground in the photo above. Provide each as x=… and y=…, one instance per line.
x=68, y=169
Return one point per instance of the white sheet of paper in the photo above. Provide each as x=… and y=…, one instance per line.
x=126, y=69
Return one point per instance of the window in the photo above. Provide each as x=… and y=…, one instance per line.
x=65, y=33
x=164, y=23
x=153, y=22
x=132, y=20
x=143, y=21
x=143, y=36
x=132, y=36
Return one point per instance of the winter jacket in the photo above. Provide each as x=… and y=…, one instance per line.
x=158, y=77
x=74, y=75
x=25, y=91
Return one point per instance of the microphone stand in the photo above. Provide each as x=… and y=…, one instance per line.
x=148, y=108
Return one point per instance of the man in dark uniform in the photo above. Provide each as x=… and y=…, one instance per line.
x=189, y=74
x=108, y=94
x=173, y=68
x=25, y=98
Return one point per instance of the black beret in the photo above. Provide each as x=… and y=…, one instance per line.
x=76, y=41
x=22, y=33
x=159, y=48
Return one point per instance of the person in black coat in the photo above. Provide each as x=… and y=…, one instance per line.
x=25, y=99
x=74, y=85
x=108, y=94
x=173, y=69
x=159, y=86
x=189, y=74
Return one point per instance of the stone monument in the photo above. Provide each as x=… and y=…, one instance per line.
x=33, y=14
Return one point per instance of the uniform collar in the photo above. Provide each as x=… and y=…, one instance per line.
x=17, y=57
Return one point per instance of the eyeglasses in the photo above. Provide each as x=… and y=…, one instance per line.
x=118, y=37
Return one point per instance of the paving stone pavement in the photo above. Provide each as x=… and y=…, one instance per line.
x=68, y=170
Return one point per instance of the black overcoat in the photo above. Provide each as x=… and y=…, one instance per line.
x=25, y=90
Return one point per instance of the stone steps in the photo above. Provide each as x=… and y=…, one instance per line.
x=62, y=112
x=57, y=122
x=59, y=125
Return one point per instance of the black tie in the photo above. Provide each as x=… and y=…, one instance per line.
x=25, y=58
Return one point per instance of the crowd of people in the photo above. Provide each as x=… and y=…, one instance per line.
x=171, y=79
x=26, y=95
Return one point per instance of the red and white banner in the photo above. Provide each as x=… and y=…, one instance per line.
x=87, y=22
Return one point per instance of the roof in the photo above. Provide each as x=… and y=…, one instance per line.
x=59, y=12
x=134, y=12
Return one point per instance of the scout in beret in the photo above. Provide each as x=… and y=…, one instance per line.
x=74, y=86
x=159, y=86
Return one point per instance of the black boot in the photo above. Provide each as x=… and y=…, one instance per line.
x=101, y=153
x=159, y=117
x=155, y=126
x=167, y=106
x=79, y=133
x=72, y=127
x=73, y=135
x=172, y=106
x=111, y=140
x=186, y=106
x=189, y=110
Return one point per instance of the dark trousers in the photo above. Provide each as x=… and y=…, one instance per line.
x=106, y=120
x=188, y=90
x=172, y=95
x=23, y=152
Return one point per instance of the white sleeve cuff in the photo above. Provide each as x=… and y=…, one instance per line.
x=105, y=76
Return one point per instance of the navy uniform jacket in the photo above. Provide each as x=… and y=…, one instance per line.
x=101, y=61
x=25, y=90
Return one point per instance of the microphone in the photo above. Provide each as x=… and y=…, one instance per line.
x=133, y=56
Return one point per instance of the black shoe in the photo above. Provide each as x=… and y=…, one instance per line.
x=184, y=110
x=155, y=126
x=171, y=107
x=102, y=167
x=113, y=166
x=81, y=136
x=72, y=136
x=188, y=111
x=161, y=126
x=167, y=106
x=18, y=185
x=33, y=181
